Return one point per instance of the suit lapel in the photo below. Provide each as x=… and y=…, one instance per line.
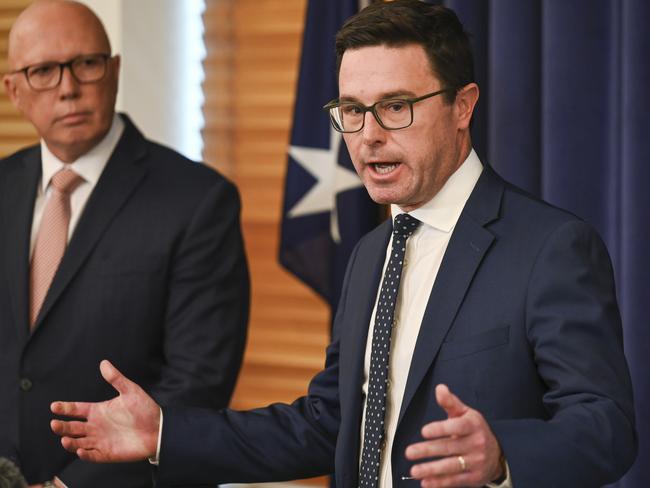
x=469, y=243
x=118, y=181
x=363, y=287
x=19, y=194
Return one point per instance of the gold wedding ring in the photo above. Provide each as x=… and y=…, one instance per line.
x=463, y=464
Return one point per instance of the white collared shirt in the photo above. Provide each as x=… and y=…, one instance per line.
x=424, y=252
x=89, y=166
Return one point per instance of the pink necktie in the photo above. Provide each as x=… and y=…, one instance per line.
x=52, y=238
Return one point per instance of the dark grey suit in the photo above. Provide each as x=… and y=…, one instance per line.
x=154, y=278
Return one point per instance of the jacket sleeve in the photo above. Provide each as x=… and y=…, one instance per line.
x=207, y=306
x=574, y=329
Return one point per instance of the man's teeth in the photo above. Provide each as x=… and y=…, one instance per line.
x=382, y=169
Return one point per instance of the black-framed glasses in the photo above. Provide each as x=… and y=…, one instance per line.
x=87, y=68
x=391, y=113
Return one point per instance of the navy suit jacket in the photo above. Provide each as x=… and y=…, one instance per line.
x=154, y=278
x=522, y=324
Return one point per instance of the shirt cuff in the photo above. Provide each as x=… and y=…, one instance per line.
x=507, y=483
x=56, y=483
x=156, y=459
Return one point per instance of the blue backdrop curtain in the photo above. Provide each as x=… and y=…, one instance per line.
x=564, y=113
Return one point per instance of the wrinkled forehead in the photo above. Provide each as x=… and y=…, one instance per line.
x=55, y=31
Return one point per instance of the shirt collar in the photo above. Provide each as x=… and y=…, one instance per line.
x=90, y=165
x=444, y=209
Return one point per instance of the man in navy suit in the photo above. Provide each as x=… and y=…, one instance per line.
x=505, y=364
x=153, y=275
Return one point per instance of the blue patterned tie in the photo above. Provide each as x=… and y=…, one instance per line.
x=373, y=434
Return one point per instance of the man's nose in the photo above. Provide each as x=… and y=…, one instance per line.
x=69, y=86
x=373, y=133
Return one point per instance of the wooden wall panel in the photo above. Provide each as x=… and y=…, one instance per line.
x=15, y=132
x=253, y=51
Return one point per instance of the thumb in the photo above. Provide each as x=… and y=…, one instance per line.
x=450, y=402
x=113, y=376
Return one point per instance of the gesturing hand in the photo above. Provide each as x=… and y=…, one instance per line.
x=122, y=429
x=468, y=452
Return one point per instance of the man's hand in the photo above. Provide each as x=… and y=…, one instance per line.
x=468, y=452
x=118, y=430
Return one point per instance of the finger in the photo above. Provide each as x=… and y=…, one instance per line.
x=450, y=402
x=91, y=455
x=442, y=447
x=71, y=409
x=448, y=466
x=457, y=427
x=112, y=375
x=73, y=444
x=70, y=429
x=455, y=480
x=69, y=444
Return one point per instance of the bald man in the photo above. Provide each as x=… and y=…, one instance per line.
x=111, y=246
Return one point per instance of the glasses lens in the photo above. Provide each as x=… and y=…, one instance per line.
x=89, y=68
x=347, y=117
x=336, y=119
x=43, y=76
x=394, y=114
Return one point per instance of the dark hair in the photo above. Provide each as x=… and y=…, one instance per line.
x=403, y=22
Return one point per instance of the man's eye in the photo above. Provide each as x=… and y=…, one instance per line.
x=351, y=110
x=88, y=62
x=42, y=71
x=394, y=106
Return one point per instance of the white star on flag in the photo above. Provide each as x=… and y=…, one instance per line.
x=331, y=179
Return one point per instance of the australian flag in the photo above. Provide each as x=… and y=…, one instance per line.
x=326, y=209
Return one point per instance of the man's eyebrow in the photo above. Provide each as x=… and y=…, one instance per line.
x=383, y=96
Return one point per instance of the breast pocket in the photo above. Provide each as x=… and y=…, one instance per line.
x=466, y=346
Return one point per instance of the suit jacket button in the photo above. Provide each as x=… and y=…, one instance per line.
x=25, y=384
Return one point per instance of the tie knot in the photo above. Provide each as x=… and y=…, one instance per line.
x=404, y=225
x=66, y=180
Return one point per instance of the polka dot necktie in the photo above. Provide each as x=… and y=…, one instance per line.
x=373, y=435
x=52, y=238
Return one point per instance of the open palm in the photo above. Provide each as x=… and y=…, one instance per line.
x=124, y=428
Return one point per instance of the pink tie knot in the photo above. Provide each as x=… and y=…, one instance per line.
x=66, y=181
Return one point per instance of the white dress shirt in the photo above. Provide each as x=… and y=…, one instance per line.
x=89, y=167
x=424, y=252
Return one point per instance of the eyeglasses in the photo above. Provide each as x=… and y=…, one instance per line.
x=391, y=114
x=88, y=68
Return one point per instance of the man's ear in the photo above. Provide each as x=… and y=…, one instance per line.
x=11, y=89
x=465, y=102
x=117, y=64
